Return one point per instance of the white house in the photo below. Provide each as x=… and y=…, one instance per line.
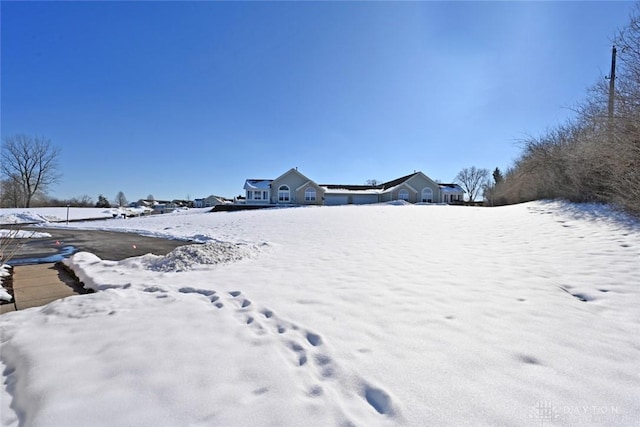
x=209, y=202
x=293, y=188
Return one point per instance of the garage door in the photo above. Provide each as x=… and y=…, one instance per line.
x=334, y=200
x=365, y=199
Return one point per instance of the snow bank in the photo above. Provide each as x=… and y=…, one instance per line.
x=4, y=272
x=46, y=215
x=22, y=234
x=21, y=217
x=209, y=254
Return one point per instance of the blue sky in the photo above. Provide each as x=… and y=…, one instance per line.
x=180, y=99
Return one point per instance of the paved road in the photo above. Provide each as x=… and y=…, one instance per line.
x=105, y=244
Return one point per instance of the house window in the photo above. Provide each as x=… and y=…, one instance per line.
x=403, y=195
x=310, y=195
x=283, y=194
x=257, y=195
x=427, y=195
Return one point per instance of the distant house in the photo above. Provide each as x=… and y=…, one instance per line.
x=142, y=204
x=293, y=188
x=164, y=206
x=183, y=203
x=209, y=202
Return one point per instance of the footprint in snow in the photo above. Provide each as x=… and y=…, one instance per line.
x=530, y=360
x=309, y=353
x=378, y=399
x=190, y=290
x=577, y=295
x=314, y=339
x=154, y=289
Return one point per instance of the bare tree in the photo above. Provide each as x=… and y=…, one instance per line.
x=121, y=200
x=372, y=182
x=472, y=180
x=11, y=195
x=30, y=163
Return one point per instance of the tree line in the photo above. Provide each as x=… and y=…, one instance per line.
x=595, y=157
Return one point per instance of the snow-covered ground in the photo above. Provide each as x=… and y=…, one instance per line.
x=354, y=315
x=44, y=216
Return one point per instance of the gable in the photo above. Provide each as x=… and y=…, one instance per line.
x=310, y=184
x=293, y=179
x=419, y=181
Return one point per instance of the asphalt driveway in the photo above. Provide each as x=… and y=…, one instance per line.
x=105, y=244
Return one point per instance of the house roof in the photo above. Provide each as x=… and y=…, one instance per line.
x=380, y=188
x=398, y=181
x=451, y=188
x=351, y=187
x=384, y=186
x=399, y=185
x=257, y=184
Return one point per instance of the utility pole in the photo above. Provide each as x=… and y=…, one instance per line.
x=612, y=84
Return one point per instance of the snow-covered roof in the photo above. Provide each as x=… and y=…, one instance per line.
x=328, y=190
x=257, y=184
x=400, y=184
x=451, y=188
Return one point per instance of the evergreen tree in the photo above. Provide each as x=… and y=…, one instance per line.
x=497, y=176
x=102, y=202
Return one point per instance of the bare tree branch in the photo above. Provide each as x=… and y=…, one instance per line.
x=30, y=163
x=472, y=180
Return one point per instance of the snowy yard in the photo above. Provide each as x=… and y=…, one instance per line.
x=15, y=216
x=353, y=315
x=43, y=215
